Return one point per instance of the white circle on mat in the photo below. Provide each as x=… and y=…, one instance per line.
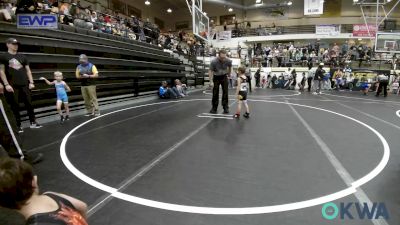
x=228, y=211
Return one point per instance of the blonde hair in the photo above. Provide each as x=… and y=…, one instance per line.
x=58, y=73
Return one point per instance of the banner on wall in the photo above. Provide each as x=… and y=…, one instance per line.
x=224, y=35
x=313, y=7
x=361, y=30
x=329, y=29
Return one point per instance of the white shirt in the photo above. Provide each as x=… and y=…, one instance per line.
x=311, y=73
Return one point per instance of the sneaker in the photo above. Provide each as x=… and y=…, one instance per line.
x=62, y=119
x=213, y=111
x=20, y=130
x=314, y=93
x=237, y=116
x=246, y=115
x=66, y=117
x=226, y=111
x=35, y=126
x=33, y=159
x=89, y=114
x=97, y=114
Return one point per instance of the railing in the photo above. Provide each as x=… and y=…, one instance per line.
x=299, y=29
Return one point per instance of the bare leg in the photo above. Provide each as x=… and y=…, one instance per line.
x=239, y=108
x=66, y=106
x=58, y=106
x=247, y=106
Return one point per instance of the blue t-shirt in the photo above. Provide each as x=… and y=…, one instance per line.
x=326, y=77
x=162, y=91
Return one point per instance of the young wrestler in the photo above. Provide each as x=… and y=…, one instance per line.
x=241, y=92
x=61, y=89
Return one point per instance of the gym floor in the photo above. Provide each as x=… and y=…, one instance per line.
x=298, y=149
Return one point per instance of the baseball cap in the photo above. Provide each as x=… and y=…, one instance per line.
x=12, y=41
x=83, y=58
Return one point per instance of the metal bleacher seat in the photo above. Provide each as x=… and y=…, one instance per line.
x=104, y=35
x=119, y=38
x=68, y=28
x=81, y=30
x=93, y=33
x=127, y=67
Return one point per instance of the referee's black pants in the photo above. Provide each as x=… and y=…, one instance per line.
x=223, y=81
x=382, y=85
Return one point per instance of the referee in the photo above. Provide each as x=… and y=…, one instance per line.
x=220, y=70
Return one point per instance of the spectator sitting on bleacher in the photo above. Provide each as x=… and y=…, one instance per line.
x=100, y=19
x=66, y=17
x=93, y=17
x=82, y=19
x=26, y=7
x=6, y=12
x=181, y=88
x=166, y=92
x=108, y=29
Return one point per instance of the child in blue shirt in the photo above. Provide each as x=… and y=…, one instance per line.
x=61, y=89
x=165, y=92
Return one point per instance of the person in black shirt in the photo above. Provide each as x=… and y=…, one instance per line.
x=248, y=75
x=361, y=57
x=319, y=75
x=26, y=7
x=220, y=70
x=17, y=79
x=257, y=76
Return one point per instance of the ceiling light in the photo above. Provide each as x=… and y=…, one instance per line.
x=258, y=1
x=147, y=2
x=289, y=3
x=169, y=10
x=355, y=0
x=230, y=9
x=389, y=0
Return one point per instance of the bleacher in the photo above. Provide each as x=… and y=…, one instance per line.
x=127, y=68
